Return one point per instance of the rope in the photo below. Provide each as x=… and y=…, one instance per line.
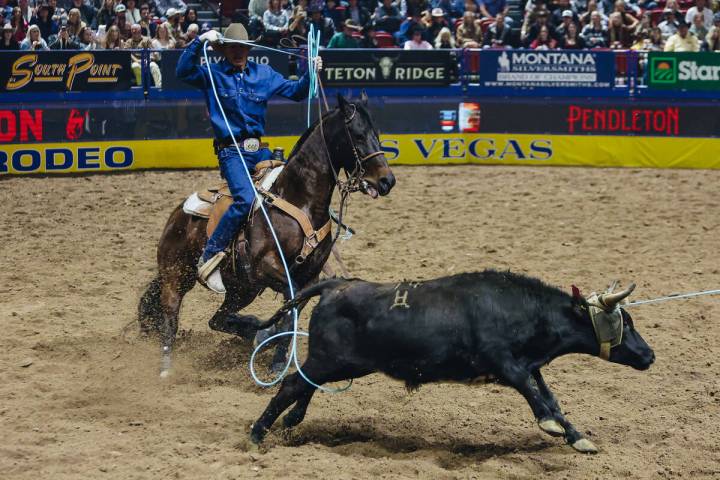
x=313, y=47
x=677, y=296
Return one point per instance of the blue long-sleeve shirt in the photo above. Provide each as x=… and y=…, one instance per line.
x=243, y=95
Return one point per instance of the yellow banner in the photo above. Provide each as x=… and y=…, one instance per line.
x=410, y=149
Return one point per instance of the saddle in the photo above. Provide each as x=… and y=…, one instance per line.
x=213, y=202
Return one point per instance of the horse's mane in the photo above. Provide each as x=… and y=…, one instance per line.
x=306, y=134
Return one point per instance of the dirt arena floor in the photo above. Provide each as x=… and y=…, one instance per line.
x=81, y=400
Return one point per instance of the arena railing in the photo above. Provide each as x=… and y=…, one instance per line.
x=102, y=75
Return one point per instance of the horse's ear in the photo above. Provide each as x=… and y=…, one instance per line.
x=343, y=104
x=363, y=97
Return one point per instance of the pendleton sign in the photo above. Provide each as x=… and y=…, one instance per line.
x=388, y=67
x=59, y=71
x=688, y=71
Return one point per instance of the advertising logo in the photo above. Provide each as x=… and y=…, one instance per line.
x=663, y=70
x=448, y=120
x=469, y=116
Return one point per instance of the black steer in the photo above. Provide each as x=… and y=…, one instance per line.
x=489, y=325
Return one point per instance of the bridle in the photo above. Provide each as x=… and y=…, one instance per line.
x=355, y=177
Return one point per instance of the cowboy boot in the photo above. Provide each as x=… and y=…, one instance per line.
x=209, y=274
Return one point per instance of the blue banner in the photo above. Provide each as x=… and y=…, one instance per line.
x=530, y=69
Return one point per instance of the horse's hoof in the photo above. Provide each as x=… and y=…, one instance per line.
x=551, y=427
x=585, y=446
x=263, y=335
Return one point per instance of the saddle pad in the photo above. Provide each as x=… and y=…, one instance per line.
x=201, y=207
x=197, y=207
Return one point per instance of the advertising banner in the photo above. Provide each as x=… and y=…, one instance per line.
x=169, y=58
x=59, y=71
x=388, y=67
x=400, y=149
x=687, y=71
x=547, y=68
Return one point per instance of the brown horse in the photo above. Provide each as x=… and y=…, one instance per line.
x=344, y=139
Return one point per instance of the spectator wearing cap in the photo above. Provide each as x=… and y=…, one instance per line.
x=33, y=40
x=64, y=41
x=416, y=41
x=567, y=20
x=357, y=13
x=452, y=8
x=322, y=24
x=121, y=22
x=8, y=42
x=712, y=39
x=701, y=9
x=162, y=6
x=469, y=33
x=595, y=34
x=174, y=18
x=369, y=39
x=44, y=21
x=139, y=42
x=437, y=23
x=683, y=40
x=541, y=20
x=387, y=17
x=490, y=9
x=558, y=14
x=106, y=15
x=276, y=22
x=345, y=38
x=668, y=27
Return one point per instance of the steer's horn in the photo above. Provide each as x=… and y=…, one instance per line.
x=609, y=300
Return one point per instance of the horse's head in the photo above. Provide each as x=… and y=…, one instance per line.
x=367, y=160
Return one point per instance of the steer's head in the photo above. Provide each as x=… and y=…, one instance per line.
x=366, y=157
x=617, y=339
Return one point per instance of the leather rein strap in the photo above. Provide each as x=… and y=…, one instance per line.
x=313, y=237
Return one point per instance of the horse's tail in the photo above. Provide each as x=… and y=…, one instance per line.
x=300, y=300
x=149, y=309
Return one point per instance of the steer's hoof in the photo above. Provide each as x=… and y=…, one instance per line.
x=551, y=427
x=257, y=434
x=585, y=446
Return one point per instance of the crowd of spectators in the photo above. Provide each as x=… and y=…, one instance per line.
x=673, y=25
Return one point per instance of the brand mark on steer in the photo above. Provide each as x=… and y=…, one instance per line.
x=400, y=299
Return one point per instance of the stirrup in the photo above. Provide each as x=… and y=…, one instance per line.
x=209, y=275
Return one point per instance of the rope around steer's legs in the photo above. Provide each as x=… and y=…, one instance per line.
x=295, y=331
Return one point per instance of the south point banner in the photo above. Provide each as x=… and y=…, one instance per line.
x=59, y=71
x=399, y=149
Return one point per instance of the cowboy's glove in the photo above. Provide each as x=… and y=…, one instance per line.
x=211, y=36
x=317, y=61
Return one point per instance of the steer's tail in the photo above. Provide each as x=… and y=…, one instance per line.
x=299, y=302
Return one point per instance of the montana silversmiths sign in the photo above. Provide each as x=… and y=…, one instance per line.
x=689, y=71
x=388, y=67
x=68, y=70
x=547, y=68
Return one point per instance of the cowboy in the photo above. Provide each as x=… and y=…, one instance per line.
x=244, y=87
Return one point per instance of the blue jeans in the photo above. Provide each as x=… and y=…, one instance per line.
x=242, y=192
